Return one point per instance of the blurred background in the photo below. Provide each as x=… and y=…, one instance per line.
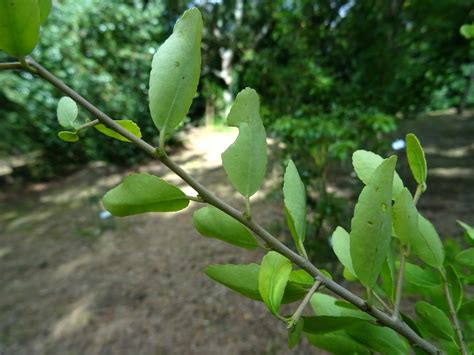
x=333, y=76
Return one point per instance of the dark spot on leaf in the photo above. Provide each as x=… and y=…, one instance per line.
x=176, y=64
x=370, y=223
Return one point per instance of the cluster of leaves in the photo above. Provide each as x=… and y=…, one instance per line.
x=387, y=232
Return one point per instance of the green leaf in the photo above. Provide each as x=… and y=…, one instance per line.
x=294, y=334
x=19, y=26
x=405, y=217
x=366, y=162
x=328, y=324
x=387, y=274
x=67, y=136
x=466, y=257
x=381, y=340
x=245, y=161
x=244, y=280
x=141, y=193
x=415, y=275
x=67, y=112
x=44, y=9
x=301, y=277
x=467, y=31
x=325, y=305
x=427, y=245
x=175, y=73
x=371, y=225
x=341, y=246
x=434, y=320
x=455, y=286
x=416, y=158
x=272, y=279
x=129, y=125
x=213, y=223
x=467, y=228
x=339, y=343
x=295, y=203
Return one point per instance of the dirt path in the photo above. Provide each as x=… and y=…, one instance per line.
x=71, y=283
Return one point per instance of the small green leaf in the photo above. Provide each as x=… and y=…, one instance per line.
x=455, y=286
x=129, y=125
x=427, y=245
x=434, y=320
x=339, y=343
x=67, y=112
x=467, y=228
x=294, y=334
x=245, y=161
x=295, y=203
x=175, y=73
x=366, y=162
x=19, y=26
x=416, y=158
x=371, y=225
x=301, y=277
x=341, y=246
x=466, y=257
x=405, y=217
x=272, y=279
x=467, y=31
x=67, y=136
x=415, y=275
x=213, y=223
x=141, y=193
x=44, y=9
x=328, y=324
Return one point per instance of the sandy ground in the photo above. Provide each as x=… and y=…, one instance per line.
x=72, y=283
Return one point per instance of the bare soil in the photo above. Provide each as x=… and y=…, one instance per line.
x=73, y=283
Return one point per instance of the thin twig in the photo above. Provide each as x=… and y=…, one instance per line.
x=398, y=292
x=297, y=315
x=87, y=125
x=384, y=319
x=382, y=302
x=11, y=65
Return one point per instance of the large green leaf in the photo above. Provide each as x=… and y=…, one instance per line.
x=67, y=112
x=416, y=158
x=245, y=161
x=129, y=125
x=466, y=257
x=341, y=246
x=175, y=73
x=327, y=324
x=44, y=9
x=295, y=203
x=19, y=26
x=366, y=162
x=372, y=225
x=381, y=340
x=434, y=320
x=213, y=223
x=405, y=217
x=325, y=305
x=272, y=279
x=339, y=343
x=244, y=280
x=141, y=193
x=427, y=245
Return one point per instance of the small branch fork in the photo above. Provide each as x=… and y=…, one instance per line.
x=209, y=197
x=299, y=311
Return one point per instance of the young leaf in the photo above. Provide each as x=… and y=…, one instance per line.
x=44, y=9
x=372, y=225
x=427, y=245
x=129, y=125
x=466, y=257
x=175, y=73
x=67, y=112
x=337, y=343
x=341, y=246
x=213, y=223
x=141, y=193
x=295, y=203
x=68, y=136
x=272, y=279
x=245, y=161
x=405, y=217
x=19, y=26
x=434, y=320
x=366, y=162
x=294, y=334
x=416, y=158
x=467, y=228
